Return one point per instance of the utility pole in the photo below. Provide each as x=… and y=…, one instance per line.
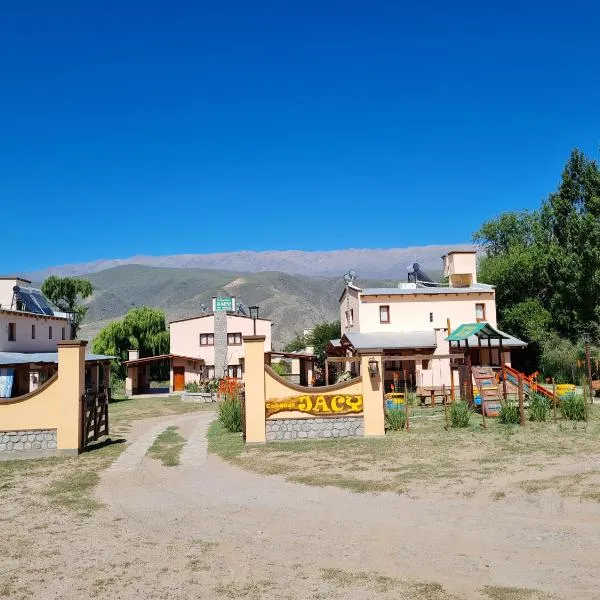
x=586, y=339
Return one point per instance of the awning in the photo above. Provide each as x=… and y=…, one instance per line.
x=150, y=359
x=483, y=331
x=390, y=341
x=24, y=358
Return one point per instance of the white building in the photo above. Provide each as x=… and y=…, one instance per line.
x=30, y=328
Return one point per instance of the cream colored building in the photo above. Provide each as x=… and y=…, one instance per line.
x=30, y=331
x=215, y=340
x=412, y=320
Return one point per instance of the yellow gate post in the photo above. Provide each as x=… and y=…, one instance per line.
x=71, y=381
x=373, y=395
x=254, y=378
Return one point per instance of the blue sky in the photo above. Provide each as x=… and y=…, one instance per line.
x=187, y=127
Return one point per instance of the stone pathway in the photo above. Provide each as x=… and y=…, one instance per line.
x=194, y=451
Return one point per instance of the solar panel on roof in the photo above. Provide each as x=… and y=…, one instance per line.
x=33, y=301
x=42, y=302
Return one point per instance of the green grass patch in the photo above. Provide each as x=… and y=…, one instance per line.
x=224, y=443
x=167, y=447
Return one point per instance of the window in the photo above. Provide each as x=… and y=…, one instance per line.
x=234, y=339
x=480, y=312
x=210, y=371
x=33, y=332
x=350, y=317
x=384, y=314
x=63, y=333
x=50, y=332
x=207, y=339
x=12, y=332
x=431, y=317
x=234, y=371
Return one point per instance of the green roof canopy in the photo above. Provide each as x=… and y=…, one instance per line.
x=483, y=331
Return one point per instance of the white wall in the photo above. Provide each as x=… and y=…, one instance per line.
x=185, y=337
x=6, y=289
x=24, y=321
x=411, y=312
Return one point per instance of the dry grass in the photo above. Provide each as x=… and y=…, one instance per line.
x=67, y=483
x=125, y=410
x=167, y=447
x=459, y=460
x=381, y=584
x=511, y=593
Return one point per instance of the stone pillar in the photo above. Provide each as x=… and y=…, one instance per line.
x=373, y=396
x=220, y=341
x=254, y=361
x=71, y=381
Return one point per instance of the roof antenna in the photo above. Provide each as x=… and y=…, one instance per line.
x=350, y=277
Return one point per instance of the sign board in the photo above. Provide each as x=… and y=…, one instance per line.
x=227, y=304
x=319, y=405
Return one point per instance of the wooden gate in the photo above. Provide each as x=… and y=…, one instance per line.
x=94, y=416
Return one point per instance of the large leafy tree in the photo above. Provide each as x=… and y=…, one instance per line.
x=545, y=264
x=318, y=338
x=67, y=293
x=142, y=329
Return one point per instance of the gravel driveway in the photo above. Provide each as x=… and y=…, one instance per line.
x=206, y=529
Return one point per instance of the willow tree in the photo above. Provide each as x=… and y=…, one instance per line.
x=143, y=329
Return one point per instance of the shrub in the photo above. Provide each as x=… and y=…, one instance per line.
x=572, y=407
x=395, y=419
x=538, y=408
x=412, y=399
x=193, y=387
x=460, y=414
x=230, y=414
x=509, y=413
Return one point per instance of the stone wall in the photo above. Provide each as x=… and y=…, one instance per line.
x=291, y=429
x=34, y=439
x=220, y=342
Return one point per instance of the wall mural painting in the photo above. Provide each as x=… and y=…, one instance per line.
x=317, y=404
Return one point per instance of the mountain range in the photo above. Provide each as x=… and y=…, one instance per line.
x=294, y=289
x=369, y=263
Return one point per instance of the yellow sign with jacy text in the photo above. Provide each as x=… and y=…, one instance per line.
x=317, y=404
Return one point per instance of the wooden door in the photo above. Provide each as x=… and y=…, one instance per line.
x=178, y=379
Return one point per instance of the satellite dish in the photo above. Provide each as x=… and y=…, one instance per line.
x=350, y=276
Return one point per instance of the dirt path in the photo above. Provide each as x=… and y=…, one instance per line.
x=206, y=529
x=275, y=532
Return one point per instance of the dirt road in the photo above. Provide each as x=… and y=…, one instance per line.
x=206, y=529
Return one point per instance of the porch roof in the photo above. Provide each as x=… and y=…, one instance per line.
x=147, y=359
x=473, y=332
x=24, y=358
x=390, y=341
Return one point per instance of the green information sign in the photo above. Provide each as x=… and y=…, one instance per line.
x=224, y=304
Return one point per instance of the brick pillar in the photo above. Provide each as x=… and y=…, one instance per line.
x=71, y=381
x=373, y=395
x=220, y=343
x=254, y=362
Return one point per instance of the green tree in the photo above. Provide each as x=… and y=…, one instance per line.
x=142, y=329
x=545, y=264
x=66, y=293
x=318, y=338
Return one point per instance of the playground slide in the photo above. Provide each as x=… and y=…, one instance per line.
x=530, y=386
